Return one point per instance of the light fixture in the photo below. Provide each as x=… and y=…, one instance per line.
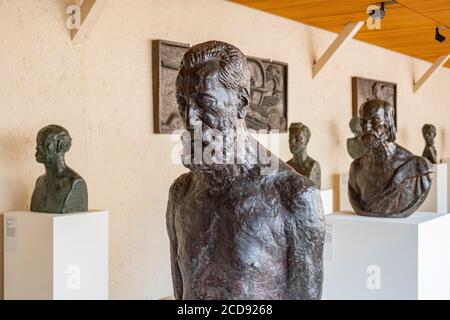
x=381, y=12
x=439, y=37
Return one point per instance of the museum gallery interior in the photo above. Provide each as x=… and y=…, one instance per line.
x=223, y=150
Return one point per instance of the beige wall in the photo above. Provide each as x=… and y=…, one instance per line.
x=101, y=90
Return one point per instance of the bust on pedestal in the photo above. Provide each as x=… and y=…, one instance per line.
x=388, y=181
x=60, y=189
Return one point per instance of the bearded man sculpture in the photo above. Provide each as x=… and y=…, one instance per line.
x=429, y=152
x=59, y=189
x=388, y=181
x=299, y=136
x=235, y=230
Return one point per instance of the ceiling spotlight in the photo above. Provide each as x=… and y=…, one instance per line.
x=439, y=37
x=381, y=11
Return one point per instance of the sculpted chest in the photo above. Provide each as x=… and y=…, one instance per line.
x=218, y=230
x=50, y=197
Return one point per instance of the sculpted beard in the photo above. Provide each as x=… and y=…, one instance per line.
x=373, y=139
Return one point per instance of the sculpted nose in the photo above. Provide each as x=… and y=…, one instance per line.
x=192, y=118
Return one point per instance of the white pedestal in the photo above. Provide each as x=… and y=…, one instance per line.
x=344, y=202
x=327, y=200
x=437, y=197
x=56, y=256
x=447, y=162
x=382, y=258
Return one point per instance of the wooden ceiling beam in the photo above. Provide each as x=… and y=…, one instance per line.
x=347, y=34
x=430, y=72
x=91, y=10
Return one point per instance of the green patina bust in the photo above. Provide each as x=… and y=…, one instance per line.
x=60, y=189
x=299, y=136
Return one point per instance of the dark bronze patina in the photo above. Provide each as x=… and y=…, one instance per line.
x=299, y=136
x=429, y=133
x=388, y=181
x=59, y=189
x=355, y=146
x=236, y=233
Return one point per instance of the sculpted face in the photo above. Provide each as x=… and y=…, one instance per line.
x=46, y=148
x=207, y=106
x=298, y=140
x=429, y=134
x=375, y=130
x=355, y=125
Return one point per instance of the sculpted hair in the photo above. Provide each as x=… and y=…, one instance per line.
x=390, y=120
x=429, y=127
x=60, y=134
x=234, y=70
x=302, y=127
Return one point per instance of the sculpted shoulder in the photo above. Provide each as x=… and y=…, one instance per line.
x=298, y=194
x=180, y=185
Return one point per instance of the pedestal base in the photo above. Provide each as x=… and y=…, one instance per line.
x=382, y=258
x=327, y=200
x=344, y=202
x=56, y=256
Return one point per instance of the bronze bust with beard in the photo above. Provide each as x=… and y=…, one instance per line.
x=236, y=231
x=388, y=181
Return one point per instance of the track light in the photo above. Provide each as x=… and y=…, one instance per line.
x=381, y=12
x=439, y=37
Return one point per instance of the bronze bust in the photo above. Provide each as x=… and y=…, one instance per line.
x=355, y=146
x=388, y=181
x=59, y=189
x=299, y=136
x=236, y=231
x=429, y=133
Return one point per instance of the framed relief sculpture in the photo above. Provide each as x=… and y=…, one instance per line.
x=268, y=107
x=364, y=90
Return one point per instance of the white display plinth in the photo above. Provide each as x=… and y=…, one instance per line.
x=437, y=197
x=56, y=256
x=387, y=258
x=327, y=200
x=447, y=162
x=344, y=202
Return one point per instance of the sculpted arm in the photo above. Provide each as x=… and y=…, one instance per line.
x=305, y=235
x=353, y=192
x=170, y=221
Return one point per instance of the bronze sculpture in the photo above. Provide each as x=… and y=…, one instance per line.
x=388, y=181
x=236, y=231
x=429, y=152
x=299, y=136
x=59, y=189
x=355, y=146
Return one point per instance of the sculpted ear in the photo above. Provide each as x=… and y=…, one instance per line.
x=245, y=101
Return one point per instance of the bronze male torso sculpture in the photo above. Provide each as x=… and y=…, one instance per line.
x=60, y=189
x=237, y=232
x=388, y=181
